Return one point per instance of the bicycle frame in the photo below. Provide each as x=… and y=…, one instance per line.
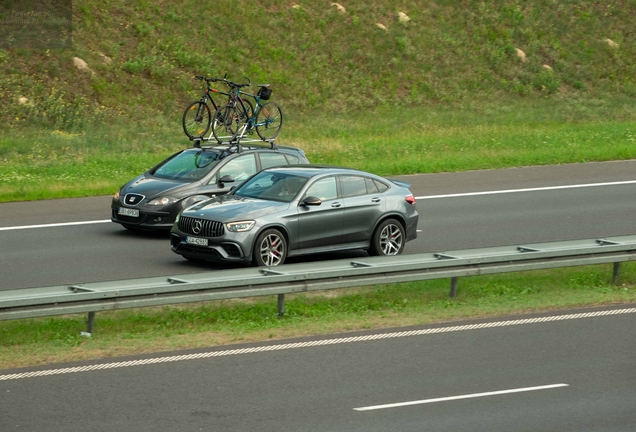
x=251, y=120
x=243, y=115
x=207, y=95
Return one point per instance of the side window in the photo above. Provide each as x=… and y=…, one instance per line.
x=272, y=159
x=240, y=168
x=381, y=186
x=372, y=186
x=353, y=186
x=325, y=189
x=292, y=159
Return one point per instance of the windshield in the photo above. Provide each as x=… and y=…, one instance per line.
x=189, y=165
x=272, y=186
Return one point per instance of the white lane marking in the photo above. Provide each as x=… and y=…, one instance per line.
x=466, y=396
x=53, y=225
x=467, y=194
x=323, y=342
x=507, y=191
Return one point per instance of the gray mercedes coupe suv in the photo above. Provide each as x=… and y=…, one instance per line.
x=296, y=210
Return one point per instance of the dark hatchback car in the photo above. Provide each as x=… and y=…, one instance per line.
x=152, y=200
x=296, y=210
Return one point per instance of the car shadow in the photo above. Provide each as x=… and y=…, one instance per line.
x=143, y=234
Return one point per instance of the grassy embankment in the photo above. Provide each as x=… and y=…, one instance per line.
x=447, y=90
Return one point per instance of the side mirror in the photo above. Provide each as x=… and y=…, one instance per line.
x=311, y=201
x=225, y=179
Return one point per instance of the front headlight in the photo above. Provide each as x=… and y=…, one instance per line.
x=163, y=201
x=240, y=226
x=116, y=196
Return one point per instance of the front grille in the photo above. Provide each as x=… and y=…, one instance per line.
x=203, y=253
x=133, y=199
x=201, y=227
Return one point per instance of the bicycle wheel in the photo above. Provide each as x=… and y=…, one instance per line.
x=227, y=124
x=269, y=121
x=196, y=119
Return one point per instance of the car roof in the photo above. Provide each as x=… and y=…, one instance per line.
x=310, y=170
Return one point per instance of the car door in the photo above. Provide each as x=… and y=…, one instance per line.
x=320, y=226
x=364, y=205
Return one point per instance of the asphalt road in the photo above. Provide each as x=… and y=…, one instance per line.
x=457, y=211
x=571, y=371
x=556, y=372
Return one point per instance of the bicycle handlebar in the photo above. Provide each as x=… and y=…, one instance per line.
x=238, y=85
x=226, y=81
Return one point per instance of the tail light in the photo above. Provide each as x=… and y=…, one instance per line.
x=410, y=199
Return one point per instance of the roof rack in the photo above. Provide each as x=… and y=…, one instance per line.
x=237, y=142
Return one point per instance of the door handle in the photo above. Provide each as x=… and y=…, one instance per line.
x=375, y=200
x=336, y=204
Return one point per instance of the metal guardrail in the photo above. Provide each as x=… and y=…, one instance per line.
x=293, y=278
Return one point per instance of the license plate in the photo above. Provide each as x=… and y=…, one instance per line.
x=128, y=212
x=197, y=241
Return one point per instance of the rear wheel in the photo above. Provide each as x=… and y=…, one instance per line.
x=388, y=238
x=269, y=121
x=227, y=123
x=270, y=248
x=196, y=119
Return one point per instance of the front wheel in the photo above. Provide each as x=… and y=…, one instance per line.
x=196, y=119
x=269, y=121
x=270, y=248
x=388, y=238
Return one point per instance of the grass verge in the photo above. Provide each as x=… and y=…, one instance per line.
x=386, y=141
x=50, y=340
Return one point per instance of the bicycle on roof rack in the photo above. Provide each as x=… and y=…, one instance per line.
x=233, y=121
x=197, y=116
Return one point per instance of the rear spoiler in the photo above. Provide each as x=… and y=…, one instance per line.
x=400, y=183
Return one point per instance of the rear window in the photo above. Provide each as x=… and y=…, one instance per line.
x=269, y=160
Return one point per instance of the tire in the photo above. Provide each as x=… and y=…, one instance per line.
x=270, y=249
x=388, y=239
x=269, y=121
x=196, y=119
x=227, y=123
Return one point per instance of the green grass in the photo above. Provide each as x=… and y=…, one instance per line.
x=97, y=161
x=57, y=339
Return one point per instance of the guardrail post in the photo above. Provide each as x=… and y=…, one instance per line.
x=453, y=291
x=281, y=305
x=90, y=324
x=616, y=272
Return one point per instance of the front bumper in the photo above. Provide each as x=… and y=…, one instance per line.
x=147, y=219
x=218, y=249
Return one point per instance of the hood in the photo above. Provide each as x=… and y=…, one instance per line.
x=229, y=207
x=150, y=187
